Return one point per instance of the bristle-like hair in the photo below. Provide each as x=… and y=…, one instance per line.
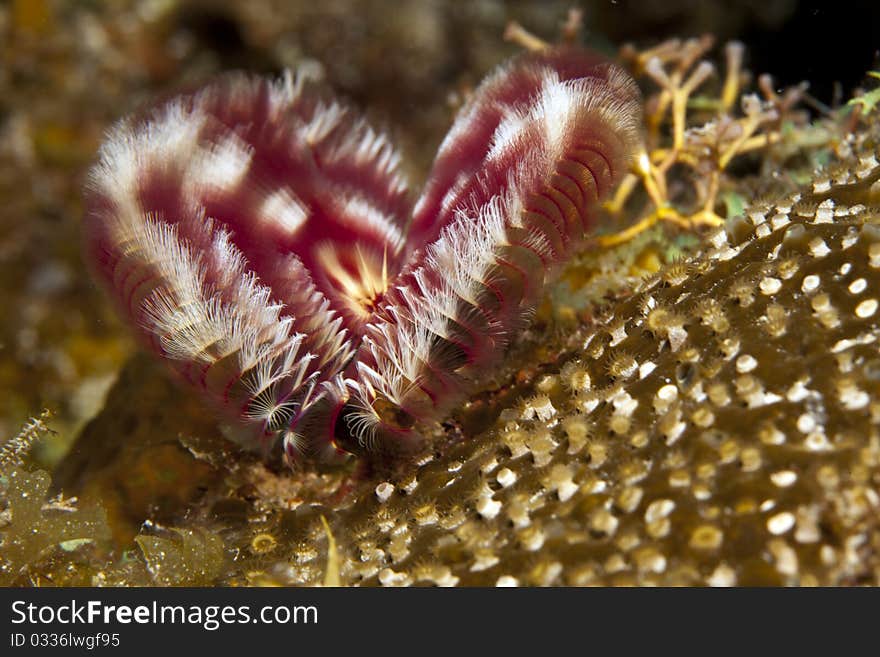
x=510, y=197
x=261, y=239
x=547, y=106
x=241, y=230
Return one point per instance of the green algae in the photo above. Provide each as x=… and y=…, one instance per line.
x=35, y=527
x=193, y=557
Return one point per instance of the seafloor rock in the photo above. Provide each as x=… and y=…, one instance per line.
x=131, y=460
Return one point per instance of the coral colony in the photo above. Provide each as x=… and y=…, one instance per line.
x=260, y=237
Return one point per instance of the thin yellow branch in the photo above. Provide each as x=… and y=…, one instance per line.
x=730, y=91
x=516, y=33
x=615, y=204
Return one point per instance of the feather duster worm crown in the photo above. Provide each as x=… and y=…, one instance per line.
x=260, y=238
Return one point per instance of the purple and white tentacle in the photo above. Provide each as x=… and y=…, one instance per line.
x=241, y=229
x=511, y=196
x=260, y=238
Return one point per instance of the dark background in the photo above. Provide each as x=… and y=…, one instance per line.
x=823, y=42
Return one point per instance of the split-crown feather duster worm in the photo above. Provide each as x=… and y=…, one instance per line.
x=261, y=239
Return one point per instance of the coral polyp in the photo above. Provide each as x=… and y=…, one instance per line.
x=261, y=239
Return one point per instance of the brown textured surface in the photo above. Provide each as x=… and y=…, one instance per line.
x=749, y=454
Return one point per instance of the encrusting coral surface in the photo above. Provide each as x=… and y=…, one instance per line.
x=714, y=423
